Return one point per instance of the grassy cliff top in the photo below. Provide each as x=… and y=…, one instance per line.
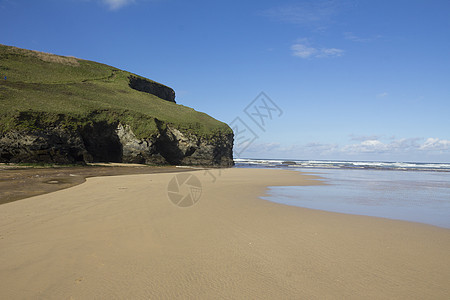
x=68, y=89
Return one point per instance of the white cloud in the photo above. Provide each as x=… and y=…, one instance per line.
x=404, y=145
x=435, y=144
x=399, y=146
x=116, y=4
x=382, y=95
x=302, y=49
x=367, y=146
x=330, y=52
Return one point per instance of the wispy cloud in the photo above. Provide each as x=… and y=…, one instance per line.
x=310, y=13
x=382, y=95
x=117, y=4
x=303, y=49
x=316, y=15
x=435, y=144
x=353, y=37
x=404, y=145
x=367, y=146
x=322, y=148
x=360, y=138
x=330, y=52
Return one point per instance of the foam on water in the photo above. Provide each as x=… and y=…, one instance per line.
x=330, y=164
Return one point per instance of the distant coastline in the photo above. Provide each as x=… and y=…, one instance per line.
x=342, y=164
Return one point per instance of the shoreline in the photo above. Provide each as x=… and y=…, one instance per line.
x=421, y=197
x=122, y=237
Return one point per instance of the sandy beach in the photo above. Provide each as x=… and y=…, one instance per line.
x=121, y=237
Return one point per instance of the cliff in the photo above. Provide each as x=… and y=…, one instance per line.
x=57, y=109
x=151, y=87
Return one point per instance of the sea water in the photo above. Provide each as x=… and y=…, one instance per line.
x=388, y=190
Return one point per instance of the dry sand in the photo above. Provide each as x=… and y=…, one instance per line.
x=121, y=238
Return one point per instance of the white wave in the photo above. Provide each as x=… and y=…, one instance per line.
x=344, y=164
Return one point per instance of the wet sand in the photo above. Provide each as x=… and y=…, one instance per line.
x=121, y=237
x=19, y=182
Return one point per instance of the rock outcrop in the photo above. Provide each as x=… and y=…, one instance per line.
x=49, y=146
x=152, y=87
x=115, y=142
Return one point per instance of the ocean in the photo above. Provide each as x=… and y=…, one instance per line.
x=418, y=192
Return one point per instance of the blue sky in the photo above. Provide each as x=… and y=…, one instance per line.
x=355, y=80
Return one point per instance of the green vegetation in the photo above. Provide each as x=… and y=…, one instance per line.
x=43, y=89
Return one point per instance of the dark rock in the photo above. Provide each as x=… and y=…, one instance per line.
x=151, y=87
x=101, y=142
x=105, y=142
x=48, y=146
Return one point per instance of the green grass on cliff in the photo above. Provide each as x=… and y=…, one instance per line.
x=42, y=89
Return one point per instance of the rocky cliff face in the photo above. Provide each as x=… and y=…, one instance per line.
x=151, y=87
x=115, y=142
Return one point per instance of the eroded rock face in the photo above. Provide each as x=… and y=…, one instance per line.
x=102, y=142
x=151, y=87
x=49, y=146
x=187, y=149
